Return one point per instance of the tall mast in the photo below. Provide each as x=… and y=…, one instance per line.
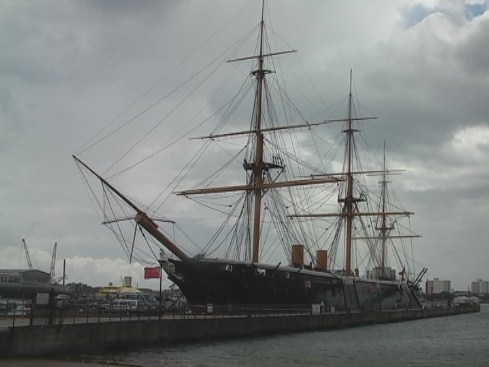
x=349, y=179
x=383, y=227
x=258, y=165
x=348, y=210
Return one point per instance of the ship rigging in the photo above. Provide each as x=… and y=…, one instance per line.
x=284, y=187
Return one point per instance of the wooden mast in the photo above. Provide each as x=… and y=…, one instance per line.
x=349, y=201
x=258, y=167
x=349, y=180
x=258, y=164
x=383, y=227
x=349, y=211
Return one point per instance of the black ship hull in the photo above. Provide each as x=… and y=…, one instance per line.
x=233, y=283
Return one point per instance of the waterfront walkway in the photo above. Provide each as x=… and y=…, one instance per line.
x=75, y=335
x=81, y=318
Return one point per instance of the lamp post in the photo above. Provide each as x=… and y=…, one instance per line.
x=160, y=261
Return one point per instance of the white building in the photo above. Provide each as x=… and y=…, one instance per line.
x=438, y=286
x=480, y=287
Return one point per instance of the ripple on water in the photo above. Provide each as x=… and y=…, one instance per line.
x=444, y=341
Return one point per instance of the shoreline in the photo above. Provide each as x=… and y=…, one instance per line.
x=56, y=362
x=73, y=339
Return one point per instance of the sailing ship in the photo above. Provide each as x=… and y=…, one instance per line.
x=278, y=206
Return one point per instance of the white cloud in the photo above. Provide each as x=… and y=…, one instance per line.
x=87, y=270
x=472, y=143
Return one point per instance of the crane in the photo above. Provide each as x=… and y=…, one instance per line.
x=53, y=263
x=28, y=257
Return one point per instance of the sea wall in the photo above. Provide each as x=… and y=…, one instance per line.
x=65, y=339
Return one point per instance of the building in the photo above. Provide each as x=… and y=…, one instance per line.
x=480, y=287
x=26, y=283
x=437, y=286
x=20, y=276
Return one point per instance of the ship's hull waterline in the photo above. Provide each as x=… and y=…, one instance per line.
x=234, y=283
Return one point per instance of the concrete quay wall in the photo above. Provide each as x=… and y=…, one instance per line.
x=65, y=339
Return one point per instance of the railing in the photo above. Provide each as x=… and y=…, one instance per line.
x=84, y=313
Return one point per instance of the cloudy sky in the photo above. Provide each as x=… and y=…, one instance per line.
x=70, y=68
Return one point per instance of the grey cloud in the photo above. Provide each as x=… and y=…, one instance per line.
x=68, y=68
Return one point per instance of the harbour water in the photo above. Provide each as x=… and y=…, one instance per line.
x=445, y=341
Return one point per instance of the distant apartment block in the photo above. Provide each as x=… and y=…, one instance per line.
x=480, y=287
x=436, y=286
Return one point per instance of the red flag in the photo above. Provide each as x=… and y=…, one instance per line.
x=151, y=273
